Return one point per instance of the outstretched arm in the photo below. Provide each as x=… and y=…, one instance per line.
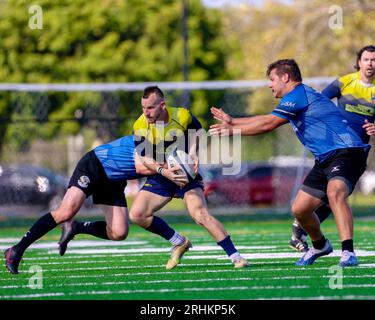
x=248, y=126
x=222, y=116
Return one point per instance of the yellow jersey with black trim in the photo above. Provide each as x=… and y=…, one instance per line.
x=159, y=136
x=355, y=99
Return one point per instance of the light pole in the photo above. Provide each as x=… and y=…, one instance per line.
x=185, y=66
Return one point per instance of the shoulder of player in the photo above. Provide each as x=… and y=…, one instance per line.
x=294, y=97
x=140, y=123
x=180, y=115
x=347, y=79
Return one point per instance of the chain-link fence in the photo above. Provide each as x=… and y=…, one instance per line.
x=43, y=134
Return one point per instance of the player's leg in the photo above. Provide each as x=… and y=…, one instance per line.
x=303, y=210
x=69, y=206
x=142, y=213
x=343, y=173
x=117, y=222
x=197, y=208
x=298, y=238
x=338, y=192
x=110, y=196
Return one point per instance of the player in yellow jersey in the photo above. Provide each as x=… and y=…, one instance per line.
x=355, y=93
x=161, y=127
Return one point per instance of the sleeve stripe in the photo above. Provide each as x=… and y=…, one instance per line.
x=283, y=111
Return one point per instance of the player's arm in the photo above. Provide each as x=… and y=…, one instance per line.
x=140, y=168
x=143, y=154
x=332, y=90
x=222, y=116
x=252, y=126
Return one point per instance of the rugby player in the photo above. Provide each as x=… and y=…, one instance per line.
x=102, y=173
x=340, y=155
x=161, y=127
x=355, y=93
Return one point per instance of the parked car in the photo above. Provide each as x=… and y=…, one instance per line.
x=262, y=183
x=31, y=185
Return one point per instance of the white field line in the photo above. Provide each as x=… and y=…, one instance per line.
x=9, y=240
x=105, y=292
x=82, y=284
x=175, y=272
x=348, y=297
x=36, y=295
x=277, y=255
x=77, y=262
x=82, y=243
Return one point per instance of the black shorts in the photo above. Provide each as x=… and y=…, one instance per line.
x=347, y=165
x=90, y=177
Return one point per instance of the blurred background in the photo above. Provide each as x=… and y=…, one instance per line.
x=72, y=74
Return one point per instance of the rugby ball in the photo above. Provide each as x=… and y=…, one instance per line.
x=182, y=160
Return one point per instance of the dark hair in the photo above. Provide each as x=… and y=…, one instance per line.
x=369, y=48
x=288, y=66
x=152, y=89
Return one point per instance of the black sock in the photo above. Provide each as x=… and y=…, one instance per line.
x=227, y=245
x=347, y=245
x=323, y=212
x=97, y=228
x=160, y=227
x=319, y=244
x=43, y=225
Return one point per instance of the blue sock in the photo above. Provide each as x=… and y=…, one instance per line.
x=227, y=245
x=160, y=227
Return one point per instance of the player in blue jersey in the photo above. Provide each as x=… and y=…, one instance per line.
x=102, y=173
x=340, y=154
x=355, y=93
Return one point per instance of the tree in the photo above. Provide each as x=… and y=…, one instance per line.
x=104, y=41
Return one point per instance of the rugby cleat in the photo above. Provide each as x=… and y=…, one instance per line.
x=348, y=259
x=241, y=263
x=177, y=253
x=12, y=259
x=67, y=234
x=298, y=240
x=312, y=254
x=299, y=245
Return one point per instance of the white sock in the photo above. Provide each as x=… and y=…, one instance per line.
x=235, y=256
x=177, y=239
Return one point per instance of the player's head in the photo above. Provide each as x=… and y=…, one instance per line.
x=153, y=104
x=365, y=62
x=284, y=75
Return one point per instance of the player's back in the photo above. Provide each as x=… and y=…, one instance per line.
x=117, y=158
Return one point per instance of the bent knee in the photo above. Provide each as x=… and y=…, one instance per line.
x=61, y=216
x=337, y=195
x=118, y=235
x=298, y=211
x=137, y=217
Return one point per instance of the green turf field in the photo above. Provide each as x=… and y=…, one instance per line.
x=134, y=268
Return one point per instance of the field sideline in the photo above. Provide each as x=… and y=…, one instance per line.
x=134, y=268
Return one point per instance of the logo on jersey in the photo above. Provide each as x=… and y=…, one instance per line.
x=288, y=104
x=83, y=181
x=335, y=169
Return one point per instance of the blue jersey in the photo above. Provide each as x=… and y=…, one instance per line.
x=117, y=158
x=317, y=122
